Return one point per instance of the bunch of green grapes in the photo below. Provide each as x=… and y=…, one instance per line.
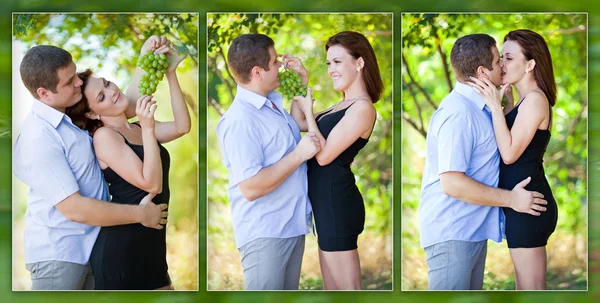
x=155, y=66
x=290, y=84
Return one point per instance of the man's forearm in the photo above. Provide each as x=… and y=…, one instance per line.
x=464, y=188
x=269, y=178
x=94, y=212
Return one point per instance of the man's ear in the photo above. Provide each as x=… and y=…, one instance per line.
x=255, y=73
x=480, y=71
x=43, y=93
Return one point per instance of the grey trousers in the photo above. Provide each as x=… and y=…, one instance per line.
x=60, y=275
x=456, y=265
x=272, y=263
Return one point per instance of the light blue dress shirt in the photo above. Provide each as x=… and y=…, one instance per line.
x=56, y=159
x=460, y=139
x=253, y=135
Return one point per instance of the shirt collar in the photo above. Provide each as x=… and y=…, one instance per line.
x=48, y=113
x=469, y=93
x=257, y=100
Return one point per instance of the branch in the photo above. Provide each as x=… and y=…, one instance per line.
x=380, y=33
x=190, y=102
x=136, y=31
x=412, y=80
x=220, y=52
x=558, y=156
x=174, y=34
x=577, y=118
x=417, y=105
x=438, y=43
x=213, y=64
x=568, y=31
x=212, y=102
x=407, y=118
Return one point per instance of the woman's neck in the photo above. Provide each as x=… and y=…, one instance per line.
x=525, y=86
x=356, y=90
x=116, y=121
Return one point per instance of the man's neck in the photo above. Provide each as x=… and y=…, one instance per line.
x=254, y=89
x=60, y=109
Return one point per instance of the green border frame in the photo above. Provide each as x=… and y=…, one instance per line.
x=590, y=6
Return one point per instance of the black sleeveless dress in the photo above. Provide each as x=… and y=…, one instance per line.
x=524, y=230
x=132, y=256
x=336, y=201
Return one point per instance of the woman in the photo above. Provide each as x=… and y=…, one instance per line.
x=343, y=130
x=134, y=163
x=522, y=133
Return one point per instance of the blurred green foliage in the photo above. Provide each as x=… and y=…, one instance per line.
x=427, y=78
x=78, y=33
x=304, y=36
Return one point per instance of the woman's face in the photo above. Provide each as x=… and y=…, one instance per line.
x=104, y=97
x=342, y=67
x=515, y=62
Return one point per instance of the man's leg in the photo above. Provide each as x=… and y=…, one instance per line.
x=451, y=264
x=264, y=261
x=479, y=268
x=292, y=270
x=57, y=275
x=89, y=283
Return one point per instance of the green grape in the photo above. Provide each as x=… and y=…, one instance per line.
x=154, y=66
x=291, y=84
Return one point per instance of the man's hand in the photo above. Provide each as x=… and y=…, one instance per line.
x=152, y=215
x=529, y=202
x=308, y=146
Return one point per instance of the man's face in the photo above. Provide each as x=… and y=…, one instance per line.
x=495, y=75
x=68, y=89
x=270, y=78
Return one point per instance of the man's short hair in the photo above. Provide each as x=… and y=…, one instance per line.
x=471, y=51
x=40, y=67
x=246, y=52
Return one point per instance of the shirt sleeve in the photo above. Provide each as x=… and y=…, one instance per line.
x=43, y=166
x=241, y=148
x=455, y=142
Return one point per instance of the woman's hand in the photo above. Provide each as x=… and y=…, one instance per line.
x=173, y=57
x=491, y=95
x=510, y=99
x=144, y=109
x=296, y=65
x=153, y=43
x=305, y=103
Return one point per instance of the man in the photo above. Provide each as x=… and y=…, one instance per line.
x=460, y=204
x=67, y=195
x=265, y=156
